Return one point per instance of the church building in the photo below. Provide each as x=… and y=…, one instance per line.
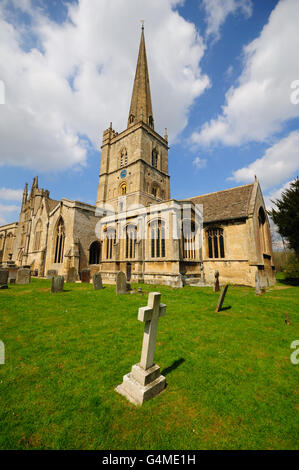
x=136, y=226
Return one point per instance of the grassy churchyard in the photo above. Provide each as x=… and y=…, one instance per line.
x=230, y=381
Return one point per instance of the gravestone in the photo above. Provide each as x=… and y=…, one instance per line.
x=145, y=380
x=3, y=278
x=258, y=290
x=71, y=275
x=57, y=284
x=121, y=283
x=12, y=274
x=12, y=281
x=97, y=281
x=85, y=275
x=221, y=298
x=23, y=276
x=216, y=282
x=52, y=273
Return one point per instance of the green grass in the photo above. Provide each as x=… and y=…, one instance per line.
x=230, y=382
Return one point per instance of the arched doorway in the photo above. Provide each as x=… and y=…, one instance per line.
x=95, y=253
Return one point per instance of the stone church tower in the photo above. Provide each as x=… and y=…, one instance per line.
x=134, y=163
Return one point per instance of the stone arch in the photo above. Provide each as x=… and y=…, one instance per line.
x=95, y=252
x=59, y=237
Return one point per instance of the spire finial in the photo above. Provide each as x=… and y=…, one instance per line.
x=142, y=24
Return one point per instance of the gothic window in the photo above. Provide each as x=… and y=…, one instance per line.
x=123, y=189
x=262, y=220
x=155, y=158
x=110, y=239
x=157, y=239
x=189, y=241
x=59, y=246
x=215, y=243
x=123, y=158
x=9, y=242
x=131, y=236
x=131, y=118
x=155, y=190
x=38, y=233
x=151, y=121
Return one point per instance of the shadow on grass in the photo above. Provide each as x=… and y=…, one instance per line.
x=290, y=281
x=173, y=366
x=224, y=308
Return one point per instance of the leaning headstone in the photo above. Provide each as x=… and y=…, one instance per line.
x=3, y=278
x=85, y=275
x=121, y=283
x=52, y=273
x=57, y=284
x=145, y=380
x=258, y=289
x=71, y=275
x=97, y=281
x=23, y=276
x=221, y=298
x=216, y=282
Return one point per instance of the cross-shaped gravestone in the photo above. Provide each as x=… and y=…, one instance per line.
x=145, y=380
x=150, y=315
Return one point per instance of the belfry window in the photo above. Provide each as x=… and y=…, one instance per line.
x=94, y=253
x=59, y=247
x=123, y=158
x=155, y=158
x=110, y=239
x=158, y=239
x=131, y=236
x=215, y=243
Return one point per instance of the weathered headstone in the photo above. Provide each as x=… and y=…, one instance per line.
x=12, y=276
x=221, y=298
x=216, y=282
x=258, y=290
x=23, y=276
x=71, y=275
x=57, y=284
x=52, y=273
x=85, y=275
x=145, y=380
x=97, y=281
x=121, y=283
x=3, y=278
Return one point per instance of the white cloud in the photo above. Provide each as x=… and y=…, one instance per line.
x=11, y=194
x=218, y=10
x=259, y=106
x=12, y=210
x=275, y=194
x=83, y=77
x=279, y=162
x=199, y=162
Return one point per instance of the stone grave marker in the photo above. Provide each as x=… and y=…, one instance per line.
x=121, y=283
x=258, y=289
x=71, y=275
x=216, y=282
x=221, y=298
x=97, y=281
x=12, y=276
x=57, y=284
x=52, y=273
x=4, y=278
x=145, y=380
x=85, y=275
x=23, y=276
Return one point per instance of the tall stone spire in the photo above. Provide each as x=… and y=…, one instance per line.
x=141, y=103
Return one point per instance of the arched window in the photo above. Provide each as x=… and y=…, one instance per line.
x=9, y=243
x=155, y=190
x=59, y=246
x=38, y=233
x=131, y=237
x=155, y=158
x=123, y=158
x=110, y=239
x=94, y=253
x=123, y=189
x=215, y=242
x=189, y=240
x=157, y=239
x=151, y=121
x=262, y=220
x=131, y=118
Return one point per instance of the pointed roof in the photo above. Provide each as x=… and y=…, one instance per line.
x=141, y=103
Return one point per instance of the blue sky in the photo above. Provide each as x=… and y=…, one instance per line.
x=220, y=72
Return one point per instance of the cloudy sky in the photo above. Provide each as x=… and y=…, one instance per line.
x=224, y=80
